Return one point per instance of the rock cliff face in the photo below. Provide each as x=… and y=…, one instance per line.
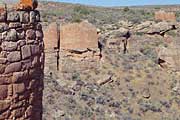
x=21, y=65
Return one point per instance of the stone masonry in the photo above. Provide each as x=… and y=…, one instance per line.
x=21, y=65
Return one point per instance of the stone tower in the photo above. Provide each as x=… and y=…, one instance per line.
x=21, y=64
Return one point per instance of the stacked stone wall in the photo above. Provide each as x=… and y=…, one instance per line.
x=21, y=65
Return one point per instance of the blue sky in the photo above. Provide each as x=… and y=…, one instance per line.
x=122, y=2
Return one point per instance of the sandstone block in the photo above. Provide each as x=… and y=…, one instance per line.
x=4, y=105
x=26, y=51
x=21, y=35
x=30, y=34
x=19, y=76
x=24, y=17
x=9, y=46
x=18, y=88
x=10, y=35
x=3, y=27
x=3, y=16
x=3, y=92
x=26, y=64
x=5, y=79
x=39, y=35
x=36, y=61
x=14, y=56
x=32, y=17
x=21, y=43
x=13, y=16
x=2, y=68
x=3, y=60
x=13, y=67
x=14, y=25
x=35, y=49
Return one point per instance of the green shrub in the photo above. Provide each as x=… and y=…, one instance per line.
x=81, y=10
x=126, y=9
x=76, y=18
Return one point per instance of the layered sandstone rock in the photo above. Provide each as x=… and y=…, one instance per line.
x=21, y=65
x=165, y=16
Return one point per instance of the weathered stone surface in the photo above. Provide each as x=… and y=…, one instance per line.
x=2, y=68
x=79, y=36
x=21, y=43
x=3, y=60
x=35, y=49
x=32, y=17
x=10, y=35
x=19, y=112
x=3, y=16
x=14, y=25
x=3, y=27
x=4, y=105
x=165, y=16
x=5, y=79
x=24, y=17
x=26, y=64
x=26, y=51
x=3, y=92
x=30, y=34
x=19, y=76
x=18, y=88
x=21, y=35
x=14, y=56
x=39, y=35
x=50, y=36
x=13, y=67
x=13, y=16
x=9, y=46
